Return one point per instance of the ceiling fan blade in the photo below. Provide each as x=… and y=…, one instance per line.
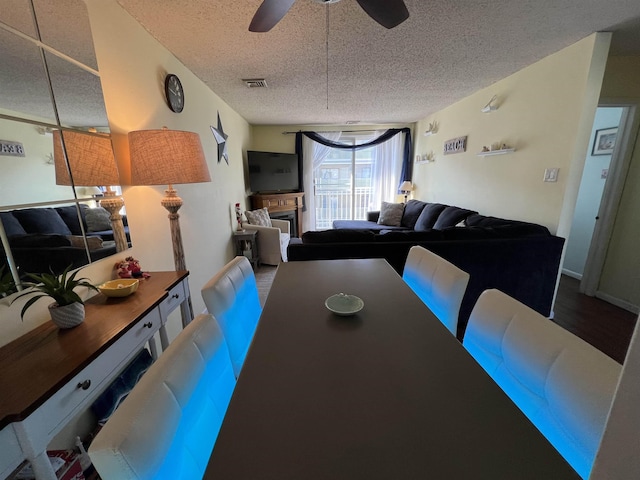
x=388, y=13
x=269, y=14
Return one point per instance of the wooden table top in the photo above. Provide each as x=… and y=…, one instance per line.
x=386, y=394
x=37, y=364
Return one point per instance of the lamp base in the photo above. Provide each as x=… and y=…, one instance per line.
x=113, y=205
x=172, y=202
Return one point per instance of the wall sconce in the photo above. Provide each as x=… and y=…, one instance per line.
x=406, y=188
x=432, y=130
x=90, y=163
x=490, y=107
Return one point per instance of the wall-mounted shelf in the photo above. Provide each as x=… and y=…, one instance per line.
x=502, y=151
x=432, y=130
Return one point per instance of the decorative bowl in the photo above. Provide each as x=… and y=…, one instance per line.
x=343, y=304
x=120, y=287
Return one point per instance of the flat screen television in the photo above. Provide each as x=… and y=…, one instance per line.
x=271, y=172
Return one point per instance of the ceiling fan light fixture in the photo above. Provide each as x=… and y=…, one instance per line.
x=388, y=13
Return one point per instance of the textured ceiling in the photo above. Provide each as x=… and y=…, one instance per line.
x=445, y=51
x=64, y=26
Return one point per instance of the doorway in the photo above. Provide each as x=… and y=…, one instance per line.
x=590, y=249
x=594, y=176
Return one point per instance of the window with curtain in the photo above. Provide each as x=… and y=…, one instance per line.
x=347, y=183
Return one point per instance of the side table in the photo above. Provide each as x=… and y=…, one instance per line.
x=247, y=245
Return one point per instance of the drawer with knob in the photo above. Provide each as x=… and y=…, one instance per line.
x=78, y=393
x=175, y=297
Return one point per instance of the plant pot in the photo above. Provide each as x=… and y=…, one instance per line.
x=67, y=316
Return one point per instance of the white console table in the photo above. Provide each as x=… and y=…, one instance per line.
x=49, y=375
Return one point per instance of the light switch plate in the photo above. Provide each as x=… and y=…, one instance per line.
x=551, y=174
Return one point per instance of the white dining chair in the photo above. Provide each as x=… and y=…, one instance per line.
x=439, y=284
x=561, y=383
x=168, y=424
x=231, y=296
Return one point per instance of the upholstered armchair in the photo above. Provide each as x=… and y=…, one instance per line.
x=272, y=241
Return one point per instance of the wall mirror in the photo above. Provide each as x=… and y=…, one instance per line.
x=54, y=144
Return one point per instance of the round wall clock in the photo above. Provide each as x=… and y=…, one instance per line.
x=174, y=92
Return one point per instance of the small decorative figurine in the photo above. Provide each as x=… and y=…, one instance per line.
x=485, y=149
x=239, y=218
x=130, y=268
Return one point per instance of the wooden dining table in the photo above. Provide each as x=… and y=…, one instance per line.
x=387, y=393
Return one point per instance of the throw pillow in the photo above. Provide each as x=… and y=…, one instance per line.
x=428, y=216
x=41, y=220
x=259, y=217
x=70, y=216
x=11, y=224
x=412, y=211
x=450, y=216
x=97, y=219
x=391, y=214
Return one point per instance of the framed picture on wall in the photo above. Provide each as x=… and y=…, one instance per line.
x=605, y=141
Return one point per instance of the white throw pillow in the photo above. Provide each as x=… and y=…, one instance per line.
x=259, y=217
x=391, y=214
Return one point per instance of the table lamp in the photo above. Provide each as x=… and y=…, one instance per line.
x=89, y=158
x=406, y=188
x=168, y=157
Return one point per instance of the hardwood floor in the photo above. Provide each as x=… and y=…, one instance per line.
x=605, y=326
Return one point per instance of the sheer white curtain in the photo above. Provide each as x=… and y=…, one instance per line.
x=313, y=153
x=386, y=167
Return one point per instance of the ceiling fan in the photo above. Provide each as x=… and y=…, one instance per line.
x=388, y=13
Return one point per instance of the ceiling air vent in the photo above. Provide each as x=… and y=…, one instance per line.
x=255, y=82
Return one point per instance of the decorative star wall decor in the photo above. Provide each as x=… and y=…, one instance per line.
x=221, y=139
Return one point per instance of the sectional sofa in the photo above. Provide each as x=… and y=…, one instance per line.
x=47, y=238
x=519, y=258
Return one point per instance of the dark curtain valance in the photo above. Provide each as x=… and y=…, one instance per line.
x=407, y=165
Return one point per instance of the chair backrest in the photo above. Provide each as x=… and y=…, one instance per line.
x=438, y=283
x=168, y=424
x=562, y=384
x=231, y=296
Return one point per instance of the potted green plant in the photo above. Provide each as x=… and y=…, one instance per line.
x=68, y=308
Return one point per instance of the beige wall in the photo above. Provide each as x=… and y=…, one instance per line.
x=133, y=66
x=621, y=274
x=545, y=112
x=269, y=138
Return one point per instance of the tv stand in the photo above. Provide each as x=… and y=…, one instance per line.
x=277, y=203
